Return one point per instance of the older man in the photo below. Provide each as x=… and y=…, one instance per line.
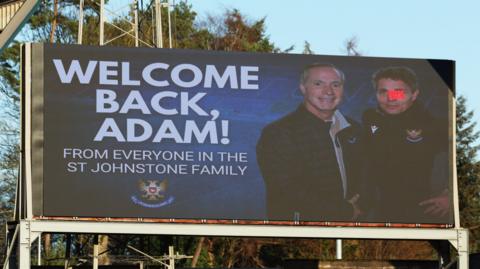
x=308, y=158
x=403, y=144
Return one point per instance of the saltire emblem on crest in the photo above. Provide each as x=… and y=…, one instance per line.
x=152, y=194
x=374, y=128
x=414, y=135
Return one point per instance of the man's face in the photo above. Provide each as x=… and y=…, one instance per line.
x=322, y=91
x=394, y=96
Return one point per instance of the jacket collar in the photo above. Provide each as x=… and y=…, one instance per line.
x=338, y=122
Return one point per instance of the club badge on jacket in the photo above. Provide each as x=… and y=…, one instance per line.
x=414, y=135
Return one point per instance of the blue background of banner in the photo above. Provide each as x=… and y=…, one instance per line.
x=71, y=121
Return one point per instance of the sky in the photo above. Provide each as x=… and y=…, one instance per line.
x=431, y=29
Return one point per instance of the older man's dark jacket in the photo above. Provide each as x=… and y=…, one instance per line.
x=297, y=159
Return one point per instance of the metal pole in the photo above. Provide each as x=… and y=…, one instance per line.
x=462, y=248
x=80, y=23
x=39, y=250
x=169, y=25
x=158, y=24
x=10, y=247
x=456, y=203
x=153, y=16
x=102, y=21
x=24, y=245
x=148, y=256
x=339, y=249
x=17, y=21
x=95, y=252
x=171, y=258
x=135, y=12
x=68, y=249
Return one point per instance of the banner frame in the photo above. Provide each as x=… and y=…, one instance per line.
x=28, y=192
x=30, y=231
x=31, y=227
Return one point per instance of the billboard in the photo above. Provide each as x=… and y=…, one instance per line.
x=201, y=135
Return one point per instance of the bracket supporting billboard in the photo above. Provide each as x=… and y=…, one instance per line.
x=31, y=229
x=16, y=22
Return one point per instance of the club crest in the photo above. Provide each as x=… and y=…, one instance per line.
x=152, y=193
x=374, y=128
x=414, y=135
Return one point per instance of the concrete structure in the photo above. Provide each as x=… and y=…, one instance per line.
x=8, y=8
x=13, y=16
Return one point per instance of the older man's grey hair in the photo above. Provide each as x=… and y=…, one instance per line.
x=306, y=70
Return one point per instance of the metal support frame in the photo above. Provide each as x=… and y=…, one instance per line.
x=158, y=24
x=102, y=21
x=461, y=245
x=27, y=237
x=169, y=25
x=132, y=32
x=27, y=133
x=160, y=261
x=171, y=257
x=338, y=249
x=8, y=8
x=11, y=244
x=80, y=22
x=30, y=229
x=95, y=252
x=17, y=21
x=135, y=24
x=39, y=250
x=456, y=203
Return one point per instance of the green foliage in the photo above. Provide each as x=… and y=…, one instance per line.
x=9, y=62
x=7, y=185
x=185, y=33
x=237, y=34
x=468, y=172
x=9, y=130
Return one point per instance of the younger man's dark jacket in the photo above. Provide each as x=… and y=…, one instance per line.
x=400, y=152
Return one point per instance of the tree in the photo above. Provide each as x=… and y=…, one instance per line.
x=468, y=171
x=307, y=49
x=231, y=31
x=351, y=47
x=9, y=131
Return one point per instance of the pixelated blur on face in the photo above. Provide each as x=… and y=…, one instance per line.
x=322, y=91
x=394, y=96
